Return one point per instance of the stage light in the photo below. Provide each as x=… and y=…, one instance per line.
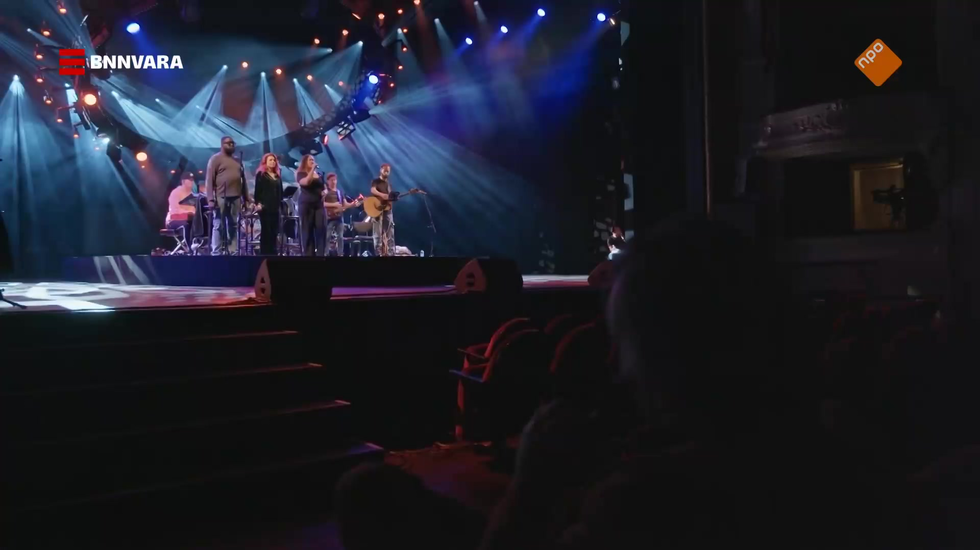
x=417, y=2
x=97, y=149
x=47, y=99
x=62, y=9
x=16, y=78
x=612, y=21
x=173, y=171
x=244, y=64
x=541, y=12
x=404, y=48
x=341, y=83
x=224, y=66
x=133, y=28
x=469, y=41
x=67, y=85
x=38, y=78
x=157, y=99
x=344, y=32
x=504, y=29
x=381, y=16
x=404, y=30
x=38, y=55
x=373, y=79
x=601, y=17
x=358, y=17
x=391, y=84
x=76, y=135
x=326, y=139
x=142, y=166
x=316, y=41
x=141, y=156
x=400, y=11
x=262, y=74
x=46, y=32
x=106, y=140
x=59, y=121
x=200, y=171
x=309, y=77
x=278, y=71
x=90, y=99
x=400, y=67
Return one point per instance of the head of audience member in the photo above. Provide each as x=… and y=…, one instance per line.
x=692, y=312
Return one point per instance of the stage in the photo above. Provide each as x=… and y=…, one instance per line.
x=93, y=297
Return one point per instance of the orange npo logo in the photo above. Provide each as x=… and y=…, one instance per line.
x=71, y=62
x=878, y=63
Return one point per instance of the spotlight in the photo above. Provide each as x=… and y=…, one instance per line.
x=316, y=41
x=106, y=140
x=142, y=166
x=62, y=9
x=612, y=21
x=400, y=11
x=47, y=99
x=133, y=28
x=200, y=171
x=38, y=55
x=400, y=67
x=141, y=156
x=67, y=85
x=38, y=78
x=404, y=48
x=97, y=149
x=341, y=83
x=309, y=77
x=157, y=99
x=262, y=74
x=59, y=121
x=381, y=16
x=16, y=78
x=76, y=135
x=373, y=79
x=173, y=171
x=244, y=64
x=504, y=29
x=391, y=84
x=404, y=30
x=278, y=71
x=224, y=66
x=344, y=32
x=90, y=99
x=326, y=139
x=541, y=12
x=417, y=2
x=46, y=32
x=469, y=41
x=601, y=17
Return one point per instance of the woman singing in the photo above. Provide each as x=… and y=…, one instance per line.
x=268, y=199
x=312, y=218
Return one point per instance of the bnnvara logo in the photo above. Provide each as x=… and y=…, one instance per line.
x=72, y=62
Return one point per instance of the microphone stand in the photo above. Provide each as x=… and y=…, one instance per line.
x=15, y=304
x=432, y=225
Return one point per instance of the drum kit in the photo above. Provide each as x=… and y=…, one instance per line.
x=357, y=233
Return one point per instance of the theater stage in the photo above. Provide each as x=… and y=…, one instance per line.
x=86, y=296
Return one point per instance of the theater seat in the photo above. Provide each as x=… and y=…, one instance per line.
x=582, y=364
x=475, y=357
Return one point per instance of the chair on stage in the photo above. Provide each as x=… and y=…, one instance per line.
x=177, y=232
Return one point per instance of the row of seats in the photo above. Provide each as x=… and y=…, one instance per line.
x=503, y=380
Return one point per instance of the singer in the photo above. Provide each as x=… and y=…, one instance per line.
x=227, y=188
x=312, y=218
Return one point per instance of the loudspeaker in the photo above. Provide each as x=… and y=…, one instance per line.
x=305, y=280
x=603, y=274
x=6, y=256
x=490, y=276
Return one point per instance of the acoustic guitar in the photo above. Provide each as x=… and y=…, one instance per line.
x=335, y=209
x=374, y=206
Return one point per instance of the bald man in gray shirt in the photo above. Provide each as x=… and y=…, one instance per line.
x=227, y=189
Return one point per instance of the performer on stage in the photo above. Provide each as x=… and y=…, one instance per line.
x=181, y=214
x=335, y=203
x=268, y=199
x=384, y=225
x=312, y=219
x=227, y=190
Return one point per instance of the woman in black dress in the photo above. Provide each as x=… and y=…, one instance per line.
x=312, y=218
x=268, y=199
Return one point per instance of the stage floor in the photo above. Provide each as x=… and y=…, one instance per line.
x=69, y=296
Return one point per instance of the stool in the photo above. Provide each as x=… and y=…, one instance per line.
x=180, y=235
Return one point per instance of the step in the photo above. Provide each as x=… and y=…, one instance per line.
x=66, y=411
x=98, y=363
x=244, y=486
x=42, y=471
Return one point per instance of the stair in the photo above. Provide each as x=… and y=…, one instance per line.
x=189, y=414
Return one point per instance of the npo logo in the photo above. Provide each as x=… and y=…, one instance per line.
x=72, y=62
x=878, y=63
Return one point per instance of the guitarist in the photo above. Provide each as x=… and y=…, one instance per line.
x=384, y=225
x=335, y=203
